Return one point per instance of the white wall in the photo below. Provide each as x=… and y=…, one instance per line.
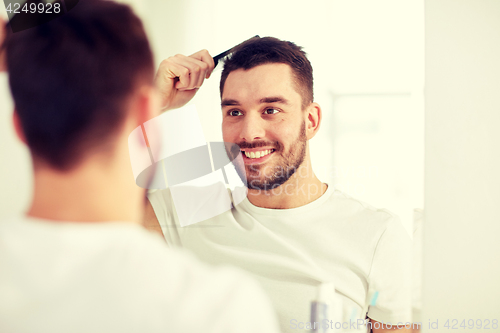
x=462, y=163
x=15, y=164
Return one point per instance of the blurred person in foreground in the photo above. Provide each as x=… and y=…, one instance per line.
x=79, y=260
x=293, y=232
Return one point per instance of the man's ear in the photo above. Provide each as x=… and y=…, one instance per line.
x=18, y=127
x=146, y=104
x=313, y=120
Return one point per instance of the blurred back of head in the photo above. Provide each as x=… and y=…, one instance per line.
x=71, y=79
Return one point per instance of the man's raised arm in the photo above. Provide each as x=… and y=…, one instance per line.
x=178, y=79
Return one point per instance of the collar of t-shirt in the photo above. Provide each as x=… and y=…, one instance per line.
x=251, y=208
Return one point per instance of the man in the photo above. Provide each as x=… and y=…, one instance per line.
x=293, y=232
x=79, y=261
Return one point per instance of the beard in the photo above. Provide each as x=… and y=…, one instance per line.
x=269, y=177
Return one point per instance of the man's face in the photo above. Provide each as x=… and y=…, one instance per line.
x=262, y=113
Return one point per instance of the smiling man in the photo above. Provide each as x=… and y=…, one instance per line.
x=292, y=232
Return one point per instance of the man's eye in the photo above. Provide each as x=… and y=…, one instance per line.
x=271, y=111
x=235, y=113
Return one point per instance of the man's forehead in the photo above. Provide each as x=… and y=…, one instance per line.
x=257, y=83
x=262, y=72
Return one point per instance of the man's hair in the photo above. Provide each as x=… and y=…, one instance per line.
x=269, y=50
x=71, y=79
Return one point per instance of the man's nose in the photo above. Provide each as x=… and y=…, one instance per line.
x=252, y=128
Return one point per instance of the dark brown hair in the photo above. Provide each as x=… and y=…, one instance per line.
x=260, y=51
x=71, y=77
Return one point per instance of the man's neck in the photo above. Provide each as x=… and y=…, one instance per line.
x=301, y=188
x=90, y=193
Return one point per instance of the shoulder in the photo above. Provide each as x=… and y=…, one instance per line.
x=177, y=193
x=186, y=205
x=221, y=297
x=242, y=300
x=360, y=212
x=368, y=227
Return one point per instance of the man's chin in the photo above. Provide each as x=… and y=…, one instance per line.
x=264, y=185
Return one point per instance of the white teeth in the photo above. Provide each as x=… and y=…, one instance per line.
x=258, y=154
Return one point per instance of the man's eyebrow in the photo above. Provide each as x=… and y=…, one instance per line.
x=229, y=102
x=270, y=99
x=274, y=99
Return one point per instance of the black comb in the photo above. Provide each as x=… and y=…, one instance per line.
x=228, y=52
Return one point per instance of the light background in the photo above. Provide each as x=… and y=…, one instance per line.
x=461, y=244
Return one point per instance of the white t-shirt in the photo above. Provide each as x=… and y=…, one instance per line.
x=364, y=251
x=117, y=277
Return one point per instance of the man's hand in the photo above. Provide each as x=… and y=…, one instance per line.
x=179, y=78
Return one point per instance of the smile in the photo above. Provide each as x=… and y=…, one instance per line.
x=258, y=154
